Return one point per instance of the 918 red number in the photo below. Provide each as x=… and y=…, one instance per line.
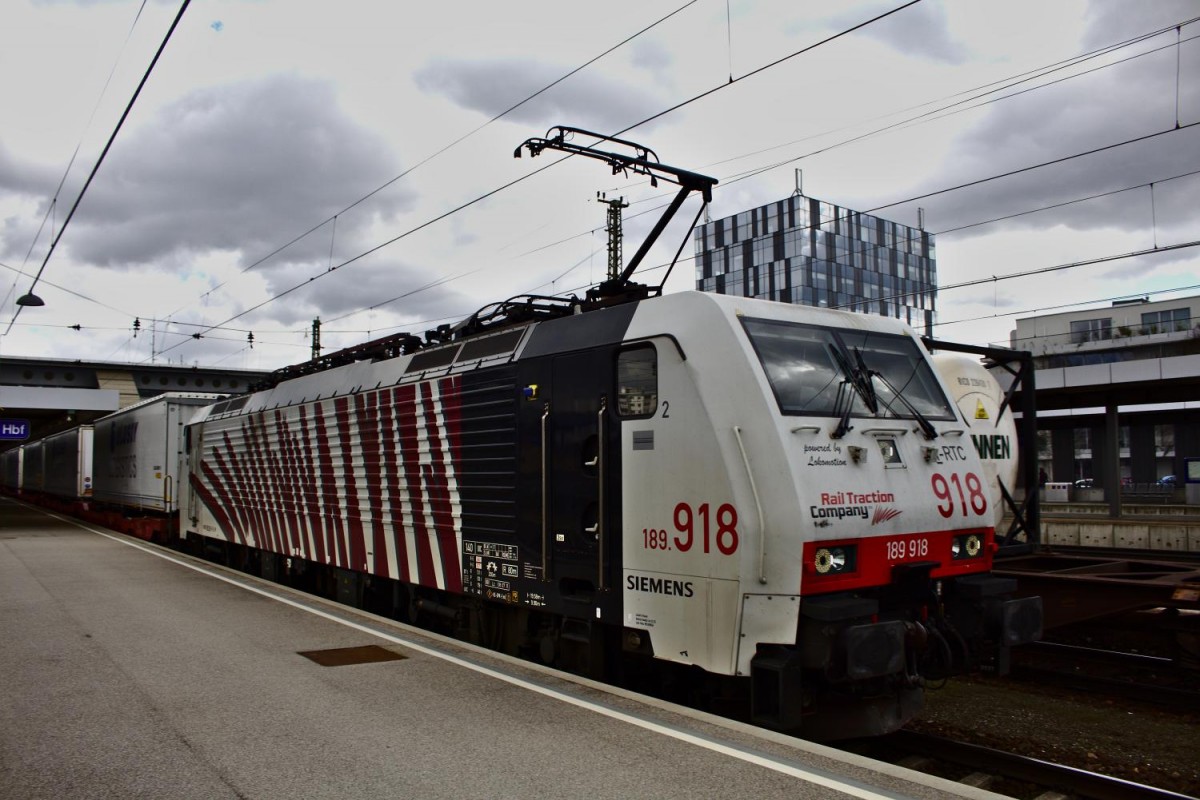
x=726, y=535
x=973, y=498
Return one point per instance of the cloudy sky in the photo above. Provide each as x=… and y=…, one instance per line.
x=293, y=160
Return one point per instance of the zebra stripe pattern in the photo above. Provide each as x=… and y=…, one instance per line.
x=367, y=482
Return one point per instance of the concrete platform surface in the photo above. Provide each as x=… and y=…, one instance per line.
x=130, y=671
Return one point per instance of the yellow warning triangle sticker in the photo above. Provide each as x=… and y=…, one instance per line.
x=980, y=411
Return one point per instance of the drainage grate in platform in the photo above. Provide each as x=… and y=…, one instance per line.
x=343, y=656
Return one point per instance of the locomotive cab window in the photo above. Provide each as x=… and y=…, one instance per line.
x=807, y=366
x=898, y=368
x=637, y=382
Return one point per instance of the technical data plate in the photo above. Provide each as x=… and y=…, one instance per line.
x=494, y=571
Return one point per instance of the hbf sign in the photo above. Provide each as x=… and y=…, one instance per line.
x=14, y=430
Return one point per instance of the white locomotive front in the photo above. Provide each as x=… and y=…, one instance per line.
x=803, y=505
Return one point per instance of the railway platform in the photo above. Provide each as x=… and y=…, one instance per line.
x=1159, y=528
x=130, y=670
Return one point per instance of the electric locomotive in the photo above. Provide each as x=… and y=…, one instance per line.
x=778, y=497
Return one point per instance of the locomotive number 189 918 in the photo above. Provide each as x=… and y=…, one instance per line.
x=699, y=528
x=901, y=549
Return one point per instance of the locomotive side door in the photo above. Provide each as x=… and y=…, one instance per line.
x=581, y=463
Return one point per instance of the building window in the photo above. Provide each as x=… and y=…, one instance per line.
x=1091, y=330
x=1164, y=441
x=1164, y=321
x=637, y=382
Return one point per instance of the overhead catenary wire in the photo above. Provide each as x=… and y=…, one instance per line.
x=447, y=147
x=738, y=177
x=531, y=174
x=1007, y=174
x=1043, y=270
x=81, y=296
x=376, y=306
x=71, y=162
x=966, y=284
x=935, y=115
x=979, y=181
x=129, y=107
x=1021, y=170
x=811, y=226
x=929, y=116
x=1063, y=204
x=1076, y=304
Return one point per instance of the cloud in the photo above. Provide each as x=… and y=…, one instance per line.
x=1114, y=20
x=585, y=100
x=23, y=178
x=652, y=55
x=386, y=286
x=1106, y=107
x=239, y=167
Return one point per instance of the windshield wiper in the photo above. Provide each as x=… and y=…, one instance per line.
x=926, y=426
x=863, y=388
x=864, y=375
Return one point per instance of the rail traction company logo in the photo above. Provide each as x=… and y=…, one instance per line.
x=855, y=505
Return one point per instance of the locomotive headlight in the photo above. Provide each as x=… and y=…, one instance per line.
x=834, y=560
x=968, y=546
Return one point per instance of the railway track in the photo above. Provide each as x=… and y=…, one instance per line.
x=1001, y=772
x=1160, y=681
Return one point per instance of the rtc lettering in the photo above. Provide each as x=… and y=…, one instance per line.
x=950, y=452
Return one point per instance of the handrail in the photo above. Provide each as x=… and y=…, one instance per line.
x=600, y=469
x=545, y=494
x=762, y=532
x=876, y=431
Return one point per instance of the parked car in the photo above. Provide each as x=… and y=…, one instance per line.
x=1084, y=483
x=1168, y=480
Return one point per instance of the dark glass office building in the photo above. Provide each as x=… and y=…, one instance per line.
x=802, y=250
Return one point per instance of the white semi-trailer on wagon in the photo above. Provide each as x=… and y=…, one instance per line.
x=68, y=463
x=138, y=452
